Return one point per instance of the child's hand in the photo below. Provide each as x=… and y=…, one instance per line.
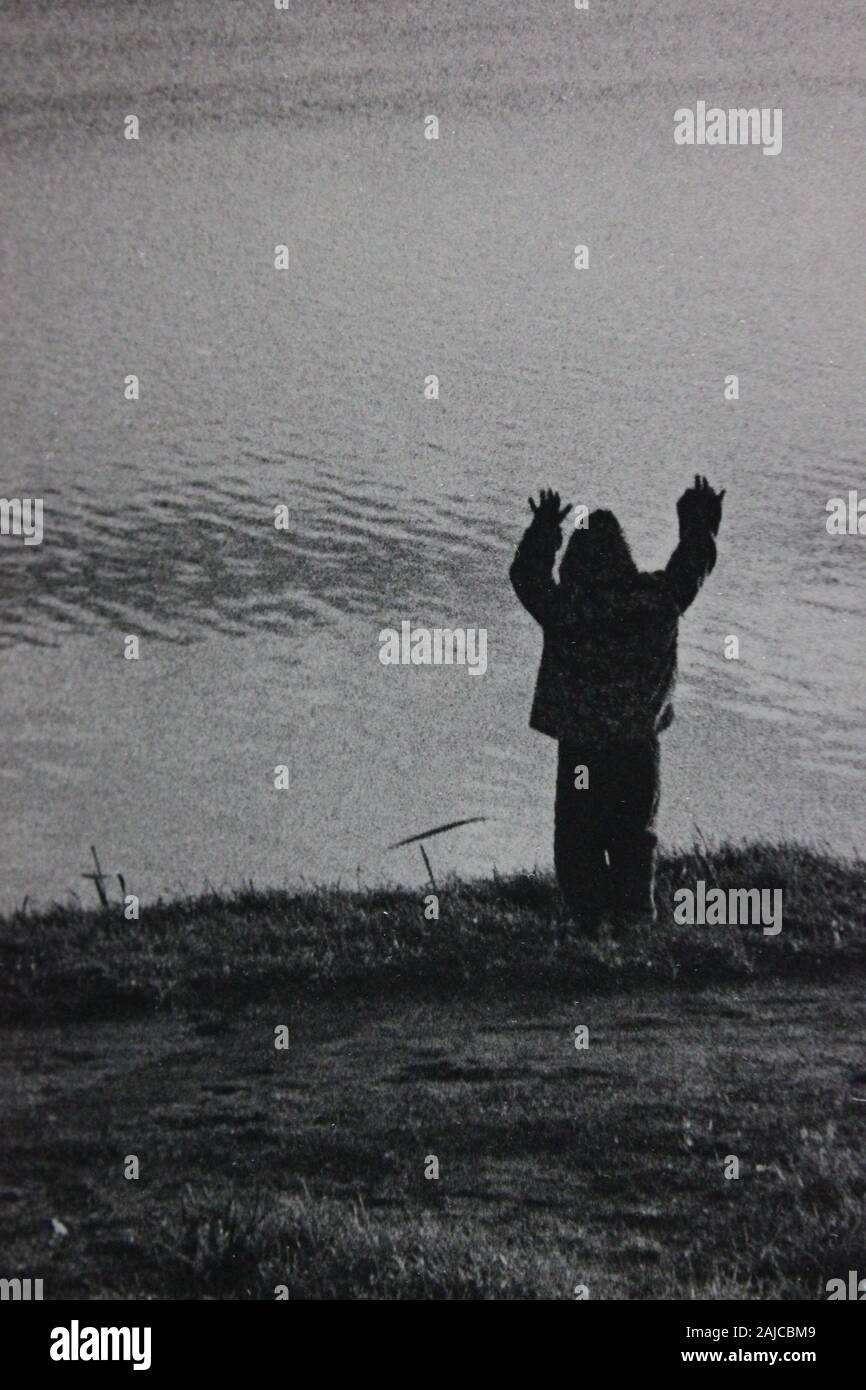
x=547, y=510
x=701, y=505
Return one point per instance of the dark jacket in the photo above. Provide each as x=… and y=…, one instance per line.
x=608, y=666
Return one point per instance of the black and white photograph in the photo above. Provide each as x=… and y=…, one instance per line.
x=432, y=556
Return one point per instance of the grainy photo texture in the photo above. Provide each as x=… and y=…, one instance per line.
x=432, y=545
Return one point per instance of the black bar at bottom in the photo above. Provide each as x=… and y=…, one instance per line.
x=167, y=1339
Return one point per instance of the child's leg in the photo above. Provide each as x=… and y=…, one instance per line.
x=631, y=808
x=578, y=844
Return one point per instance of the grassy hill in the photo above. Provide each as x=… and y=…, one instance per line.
x=411, y=1039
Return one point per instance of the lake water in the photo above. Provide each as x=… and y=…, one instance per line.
x=305, y=387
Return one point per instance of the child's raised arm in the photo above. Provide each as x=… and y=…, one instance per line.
x=531, y=570
x=700, y=514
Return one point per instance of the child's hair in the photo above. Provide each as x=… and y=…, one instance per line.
x=596, y=556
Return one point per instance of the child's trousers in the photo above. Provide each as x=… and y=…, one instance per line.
x=605, y=841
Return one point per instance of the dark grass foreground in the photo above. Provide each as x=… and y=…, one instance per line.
x=68, y=963
x=304, y=1169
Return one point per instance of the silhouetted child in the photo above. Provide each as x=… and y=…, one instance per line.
x=604, y=691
